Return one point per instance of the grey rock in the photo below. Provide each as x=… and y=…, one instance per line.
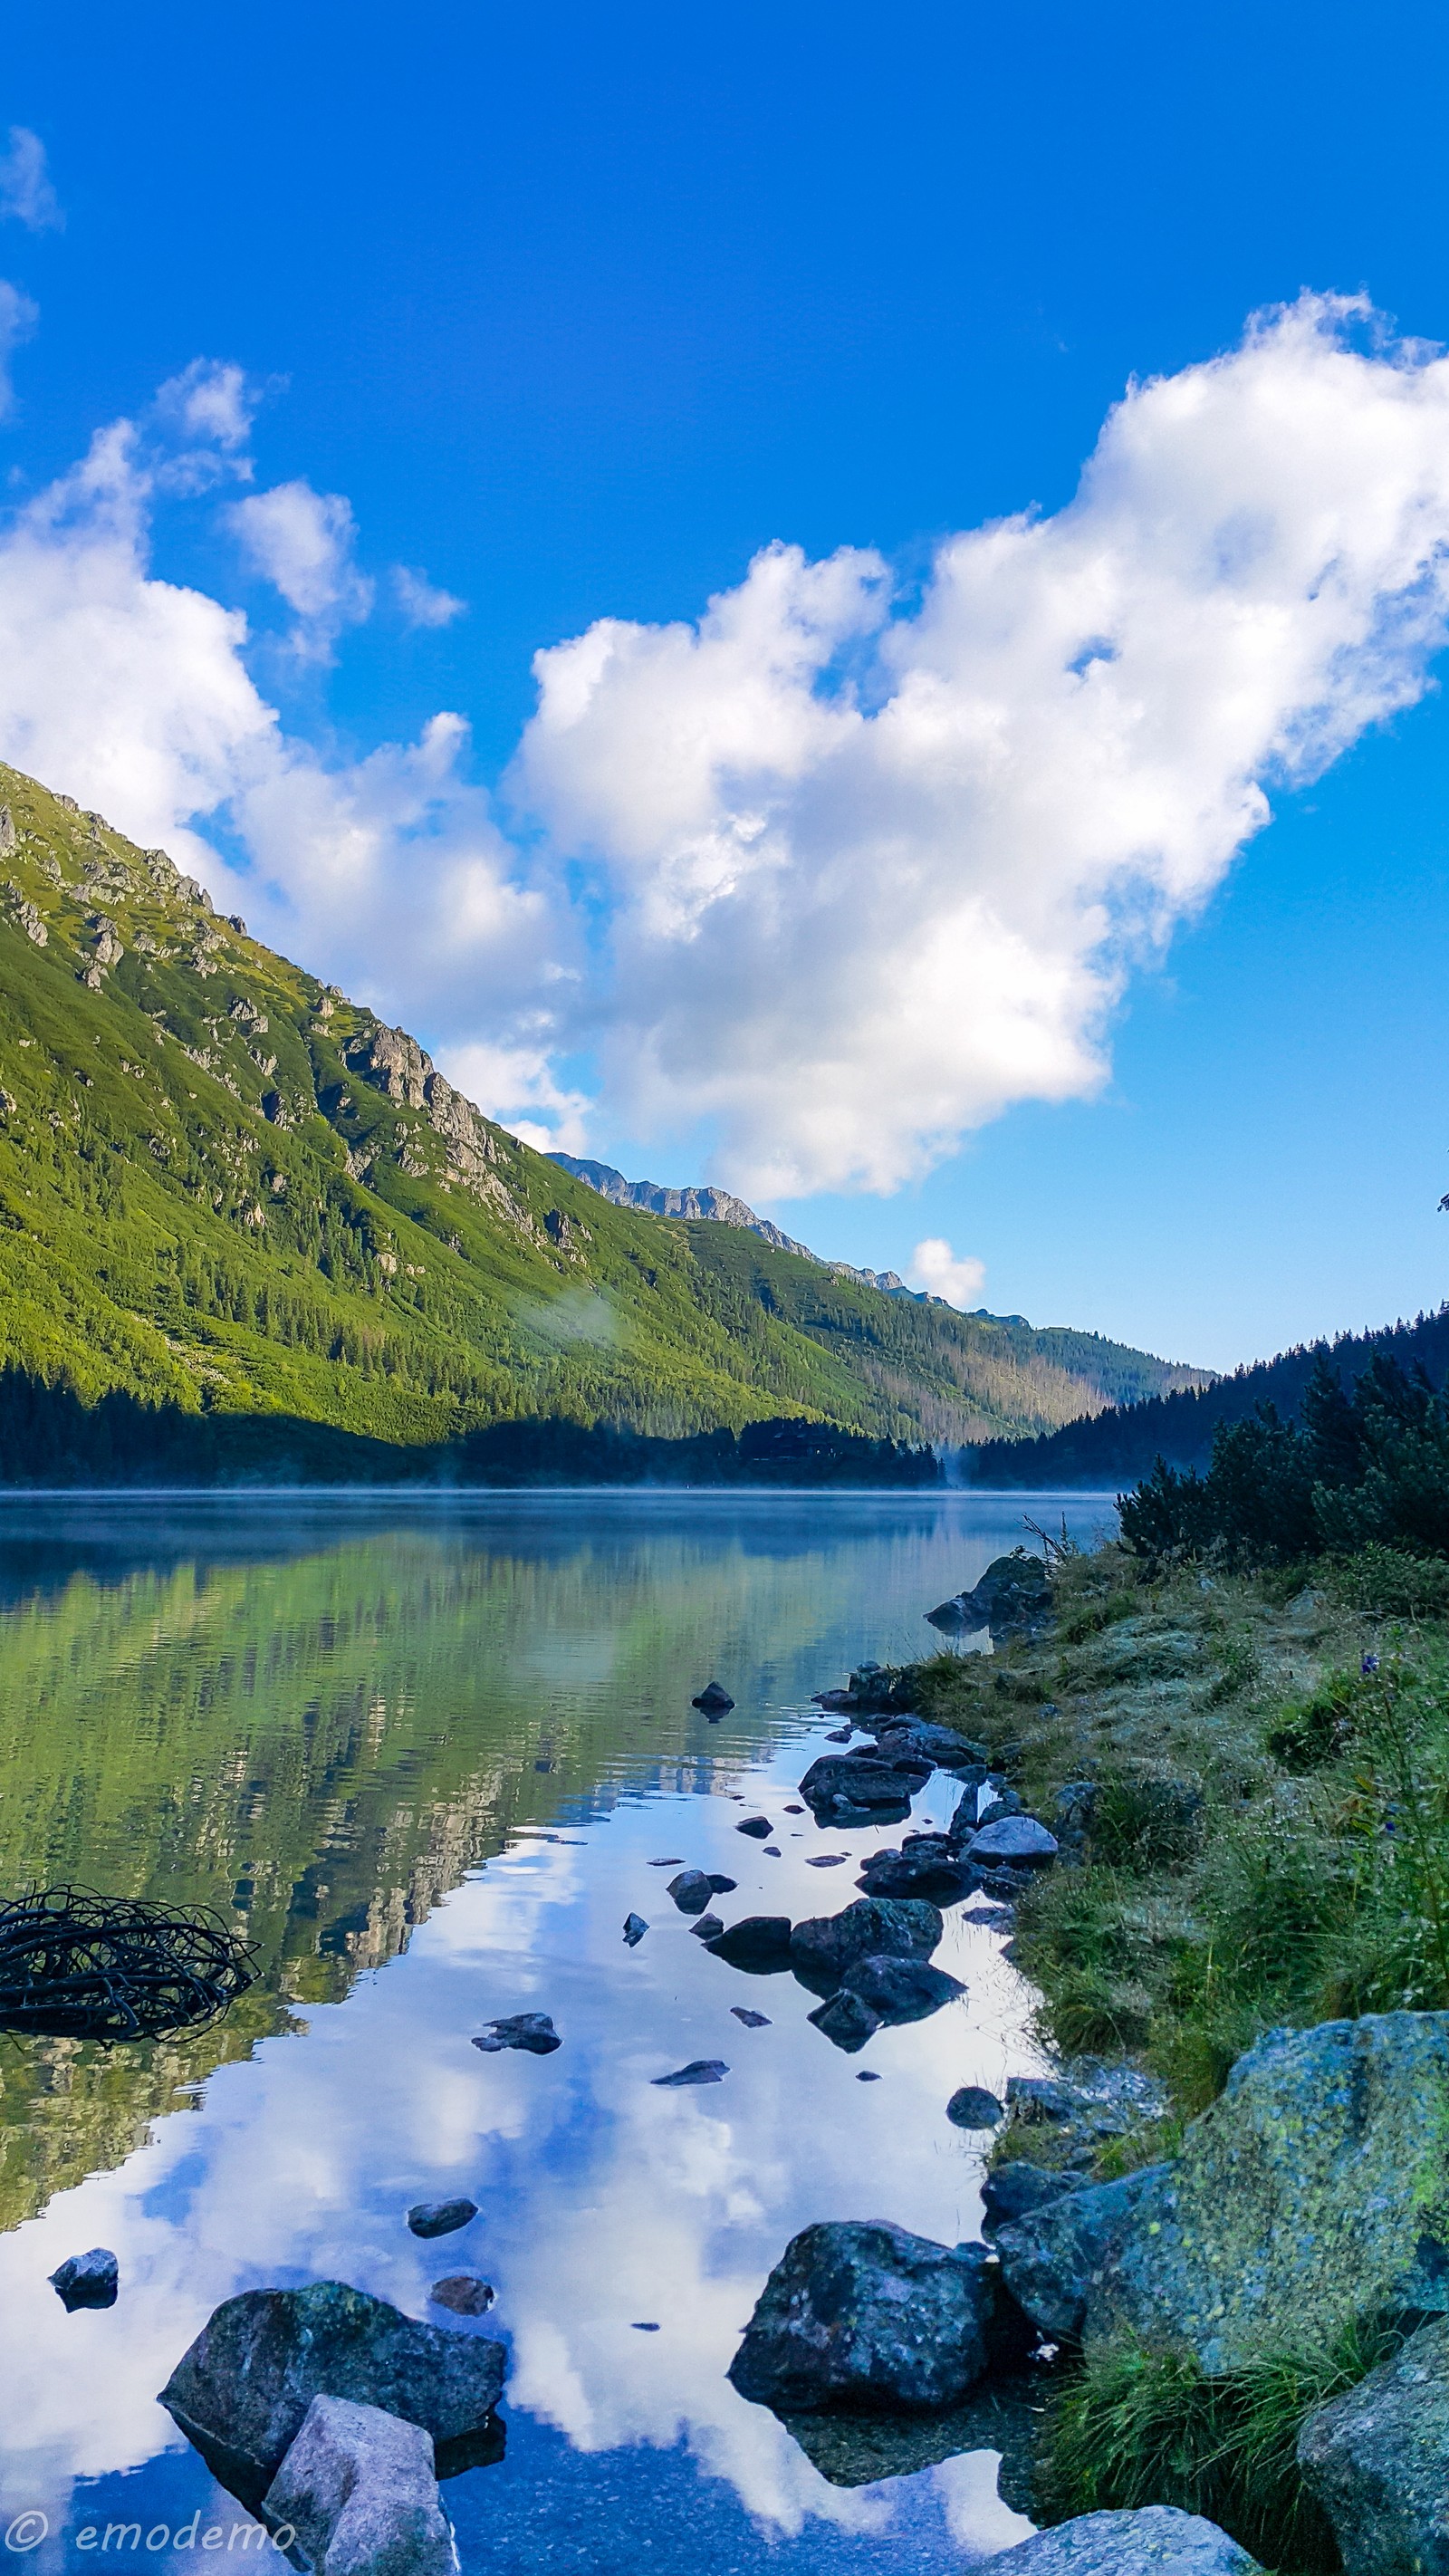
x=1055, y=2259
x=8, y=834
x=847, y=2022
x=1015, y=1842
x=898, y=1990
x=720, y=1885
x=1094, y=2100
x=242, y=2390
x=852, y=1780
x=441, y=2217
x=691, y=1891
x=840, y=1735
x=972, y=2107
x=1012, y=2191
x=708, y=1928
x=759, y=1943
x=712, y=1699
x=1377, y=2460
x=464, y=2294
x=867, y=2315
x=1311, y=2192
x=751, y=2020
x=700, y=2070
x=759, y=1828
x=358, y=2490
x=1013, y=1598
x=1002, y=1802
x=931, y=1870
x=635, y=1928
x=940, y=1745
x=1155, y=2540
x=88, y=2280
x=824, y=1945
x=531, y=2031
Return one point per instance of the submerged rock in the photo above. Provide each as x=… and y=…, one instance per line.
x=358, y=2490
x=836, y=1781
x=691, y=1890
x=1155, y=2540
x=972, y=2107
x=241, y=2391
x=758, y=1943
x=898, y=1990
x=867, y=2315
x=712, y=1699
x=531, y=2031
x=464, y=2293
x=635, y=1928
x=926, y=1865
x=441, y=2217
x=847, y=2021
x=87, y=2280
x=824, y=1945
x=700, y=2070
x=1377, y=2460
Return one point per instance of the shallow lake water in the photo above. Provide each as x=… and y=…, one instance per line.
x=432, y=1754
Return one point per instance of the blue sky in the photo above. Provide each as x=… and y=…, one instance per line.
x=580, y=312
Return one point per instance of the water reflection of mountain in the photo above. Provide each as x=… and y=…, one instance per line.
x=323, y=1739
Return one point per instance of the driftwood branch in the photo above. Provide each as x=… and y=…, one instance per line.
x=75, y=1965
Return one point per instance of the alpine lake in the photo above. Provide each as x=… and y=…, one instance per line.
x=430, y=1754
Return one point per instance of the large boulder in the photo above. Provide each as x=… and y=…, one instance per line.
x=865, y=2315
x=836, y=1782
x=1055, y=2257
x=1309, y=2193
x=897, y=1989
x=926, y=1865
x=1377, y=2461
x=758, y=1943
x=1155, y=2540
x=242, y=2390
x=824, y=1946
x=358, y=2492
x=1013, y=1598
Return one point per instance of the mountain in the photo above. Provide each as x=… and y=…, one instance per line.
x=226, y=1188
x=721, y=1207
x=716, y=1207
x=1118, y=1446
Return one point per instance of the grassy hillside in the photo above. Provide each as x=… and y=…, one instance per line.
x=223, y=1186
x=1119, y=1446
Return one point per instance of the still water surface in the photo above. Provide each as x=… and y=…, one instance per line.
x=430, y=1753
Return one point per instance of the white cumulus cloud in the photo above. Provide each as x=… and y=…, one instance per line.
x=25, y=185
x=388, y=874
x=834, y=873
x=958, y=1277
x=18, y=318
x=877, y=870
x=302, y=542
x=421, y=602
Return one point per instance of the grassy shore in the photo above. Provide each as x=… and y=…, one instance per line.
x=1252, y=1776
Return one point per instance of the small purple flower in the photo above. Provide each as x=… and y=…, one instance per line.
x=1370, y=1664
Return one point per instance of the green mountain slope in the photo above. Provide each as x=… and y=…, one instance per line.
x=223, y=1185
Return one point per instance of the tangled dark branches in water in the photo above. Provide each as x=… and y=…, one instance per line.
x=75, y=1965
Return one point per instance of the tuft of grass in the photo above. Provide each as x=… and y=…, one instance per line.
x=1388, y=1583
x=1142, y=2423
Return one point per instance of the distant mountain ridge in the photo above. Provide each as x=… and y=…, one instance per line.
x=721, y=1207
